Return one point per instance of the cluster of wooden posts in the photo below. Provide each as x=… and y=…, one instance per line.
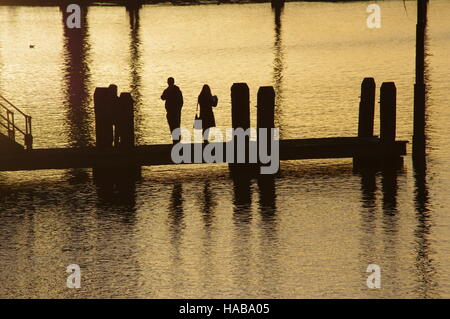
x=114, y=118
x=388, y=106
x=388, y=119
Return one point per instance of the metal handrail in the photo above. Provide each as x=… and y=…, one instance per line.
x=11, y=125
x=12, y=105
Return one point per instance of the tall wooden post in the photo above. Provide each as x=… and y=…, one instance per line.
x=277, y=3
x=419, y=86
x=240, y=117
x=126, y=120
x=266, y=107
x=366, y=108
x=103, y=101
x=240, y=105
x=365, y=122
x=266, y=116
x=388, y=113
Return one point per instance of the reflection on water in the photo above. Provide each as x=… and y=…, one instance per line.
x=278, y=67
x=136, y=67
x=196, y=231
x=426, y=271
x=77, y=81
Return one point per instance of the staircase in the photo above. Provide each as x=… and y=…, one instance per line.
x=9, y=128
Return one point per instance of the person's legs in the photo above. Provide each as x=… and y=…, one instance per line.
x=170, y=122
x=206, y=135
x=174, y=123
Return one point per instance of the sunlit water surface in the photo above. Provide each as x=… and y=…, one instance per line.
x=193, y=231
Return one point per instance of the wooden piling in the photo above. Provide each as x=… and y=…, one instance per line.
x=366, y=108
x=266, y=115
x=240, y=105
x=388, y=105
x=277, y=3
x=419, y=86
x=240, y=118
x=126, y=120
x=266, y=107
x=103, y=100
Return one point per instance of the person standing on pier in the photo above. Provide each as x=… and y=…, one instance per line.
x=174, y=102
x=207, y=101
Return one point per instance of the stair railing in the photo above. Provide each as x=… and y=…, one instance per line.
x=7, y=120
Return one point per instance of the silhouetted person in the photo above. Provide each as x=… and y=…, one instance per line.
x=207, y=101
x=174, y=102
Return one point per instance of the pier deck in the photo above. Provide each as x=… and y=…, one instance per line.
x=147, y=155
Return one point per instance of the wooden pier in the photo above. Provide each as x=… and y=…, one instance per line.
x=295, y=149
x=119, y=151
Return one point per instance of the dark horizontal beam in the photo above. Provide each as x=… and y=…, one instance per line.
x=147, y=155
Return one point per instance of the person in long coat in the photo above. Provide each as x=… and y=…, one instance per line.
x=174, y=102
x=207, y=101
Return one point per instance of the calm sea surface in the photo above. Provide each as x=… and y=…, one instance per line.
x=192, y=231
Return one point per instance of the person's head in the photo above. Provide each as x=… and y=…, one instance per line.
x=170, y=81
x=206, y=90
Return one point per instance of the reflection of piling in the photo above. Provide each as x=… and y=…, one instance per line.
x=242, y=198
x=419, y=86
x=366, y=108
x=267, y=197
